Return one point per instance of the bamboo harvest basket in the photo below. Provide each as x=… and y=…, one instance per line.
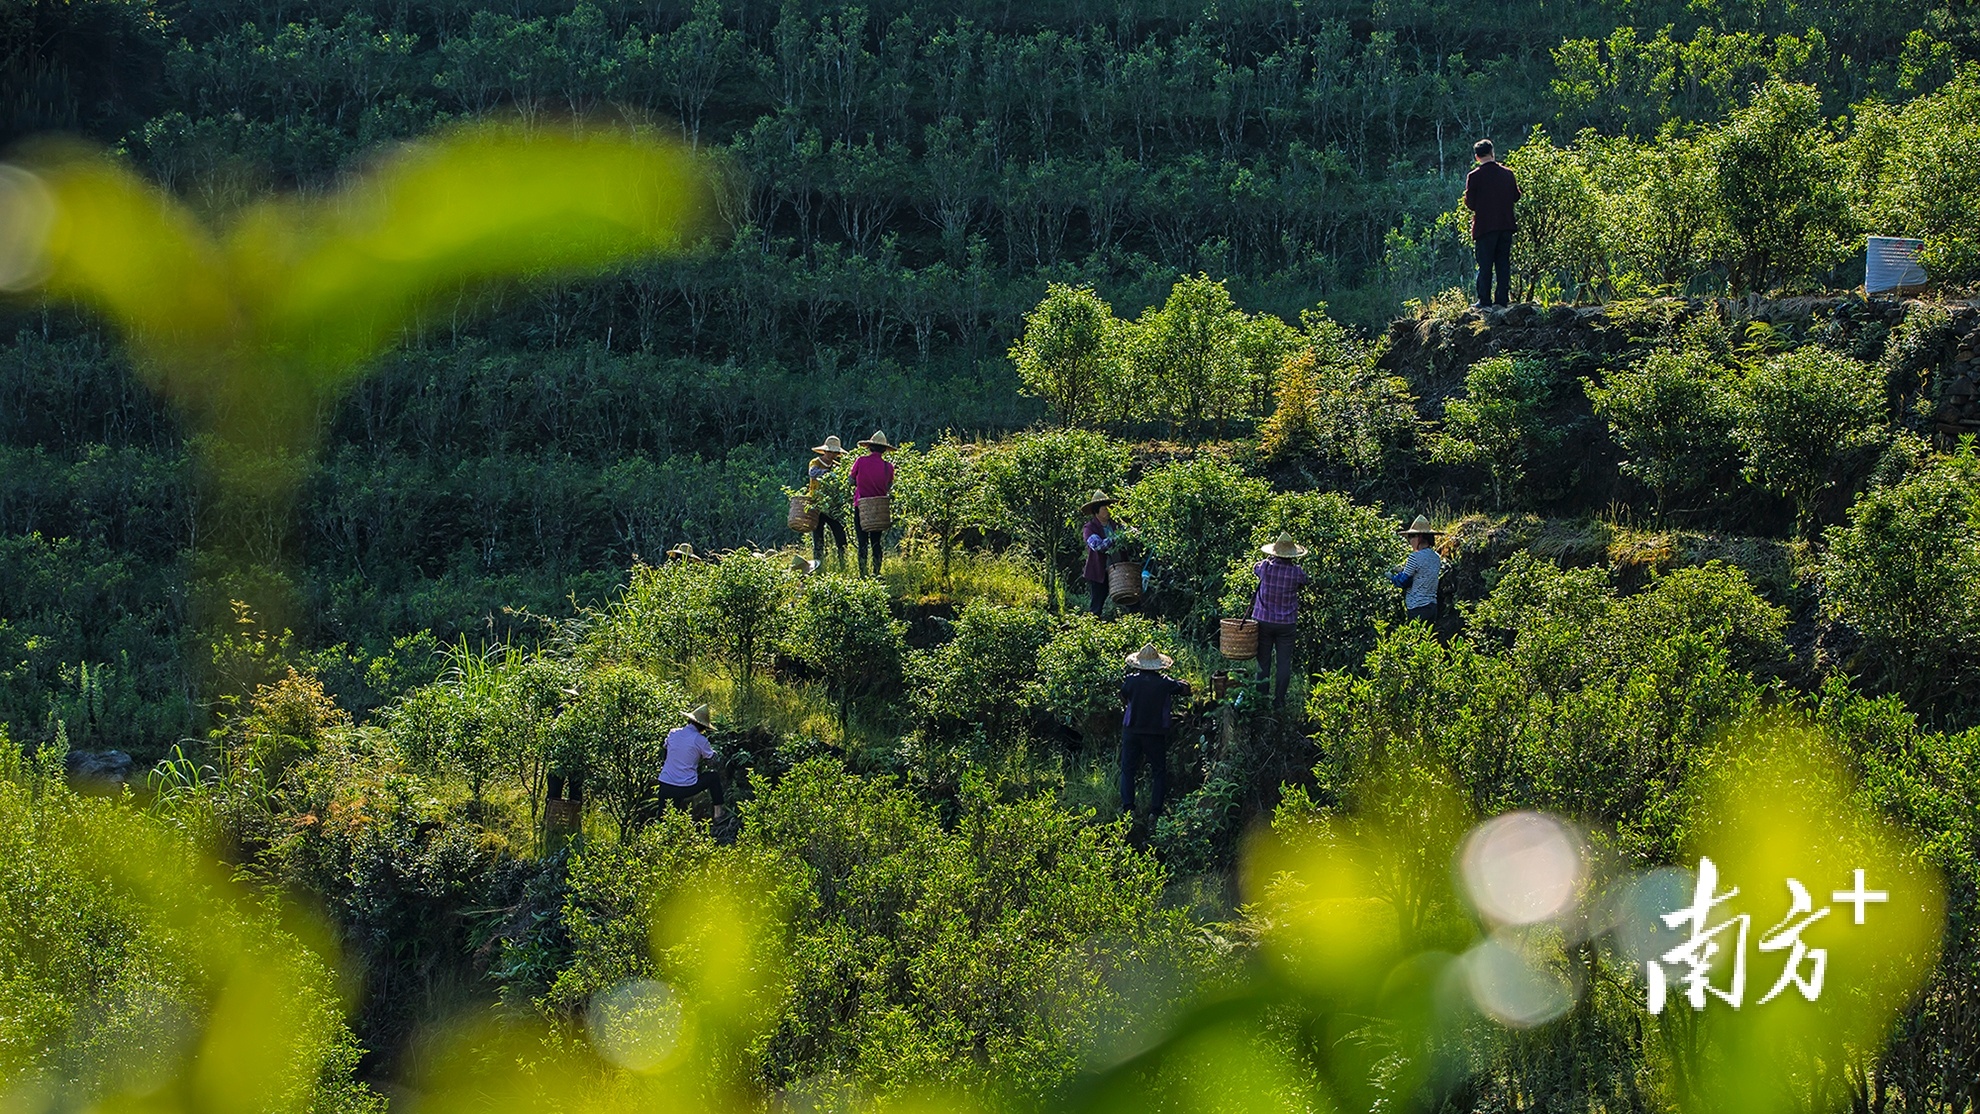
x=803, y=519
x=1237, y=639
x=562, y=817
x=876, y=513
x=1124, y=581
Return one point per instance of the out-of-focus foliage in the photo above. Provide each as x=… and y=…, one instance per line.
x=137, y=974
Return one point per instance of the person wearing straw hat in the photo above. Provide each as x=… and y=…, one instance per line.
x=1147, y=701
x=1420, y=572
x=1098, y=536
x=872, y=477
x=681, y=776
x=825, y=495
x=1275, y=608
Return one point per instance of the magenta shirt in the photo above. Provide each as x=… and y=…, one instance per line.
x=872, y=474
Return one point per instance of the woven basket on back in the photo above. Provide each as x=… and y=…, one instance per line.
x=803, y=519
x=876, y=513
x=1237, y=639
x=1124, y=581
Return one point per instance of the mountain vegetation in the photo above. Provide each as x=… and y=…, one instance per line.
x=1710, y=530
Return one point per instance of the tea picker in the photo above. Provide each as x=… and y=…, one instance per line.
x=1147, y=714
x=1275, y=611
x=873, y=488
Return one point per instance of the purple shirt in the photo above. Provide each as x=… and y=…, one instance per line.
x=1098, y=539
x=686, y=747
x=872, y=474
x=1279, y=582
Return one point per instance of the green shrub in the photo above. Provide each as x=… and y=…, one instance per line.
x=978, y=677
x=1905, y=571
x=1776, y=188
x=844, y=629
x=1809, y=421
x=1351, y=547
x=132, y=963
x=1069, y=353
x=1080, y=669
x=1038, y=482
x=748, y=609
x=1194, y=516
x=1502, y=423
x=618, y=723
x=1673, y=414
x=939, y=492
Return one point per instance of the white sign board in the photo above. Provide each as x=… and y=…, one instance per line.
x=1891, y=263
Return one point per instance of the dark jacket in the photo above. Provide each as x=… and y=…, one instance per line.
x=1148, y=696
x=1489, y=192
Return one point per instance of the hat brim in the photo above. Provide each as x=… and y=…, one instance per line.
x=829, y=449
x=699, y=721
x=1166, y=663
x=1421, y=533
x=1089, y=508
x=1298, y=552
x=877, y=445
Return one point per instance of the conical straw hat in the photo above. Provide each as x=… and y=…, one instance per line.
x=1100, y=499
x=831, y=445
x=878, y=440
x=1421, y=526
x=1148, y=657
x=699, y=715
x=1284, y=546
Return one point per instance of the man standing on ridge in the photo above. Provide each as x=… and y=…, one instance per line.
x=1490, y=191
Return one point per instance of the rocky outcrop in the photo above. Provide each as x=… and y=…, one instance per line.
x=98, y=770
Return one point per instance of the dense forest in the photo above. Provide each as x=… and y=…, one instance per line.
x=1709, y=521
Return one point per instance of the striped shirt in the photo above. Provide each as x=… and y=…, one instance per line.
x=1279, y=582
x=1423, y=567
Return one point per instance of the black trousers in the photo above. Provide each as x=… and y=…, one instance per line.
x=870, y=541
x=1096, y=596
x=559, y=781
x=1275, y=641
x=1427, y=613
x=681, y=794
x=1144, y=746
x=825, y=522
x=1494, y=251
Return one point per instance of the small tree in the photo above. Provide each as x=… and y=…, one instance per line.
x=1779, y=197
x=1350, y=548
x=618, y=723
x=846, y=630
x=1195, y=516
x=1673, y=414
x=1188, y=356
x=1806, y=420
x=940, y=493
x=1501, y=422
x=749, y=609
x=1916, y=541
x=1038, y=482
x=522, y=722
x=1069, y=352
x=980, y=675
x=1558, y=218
